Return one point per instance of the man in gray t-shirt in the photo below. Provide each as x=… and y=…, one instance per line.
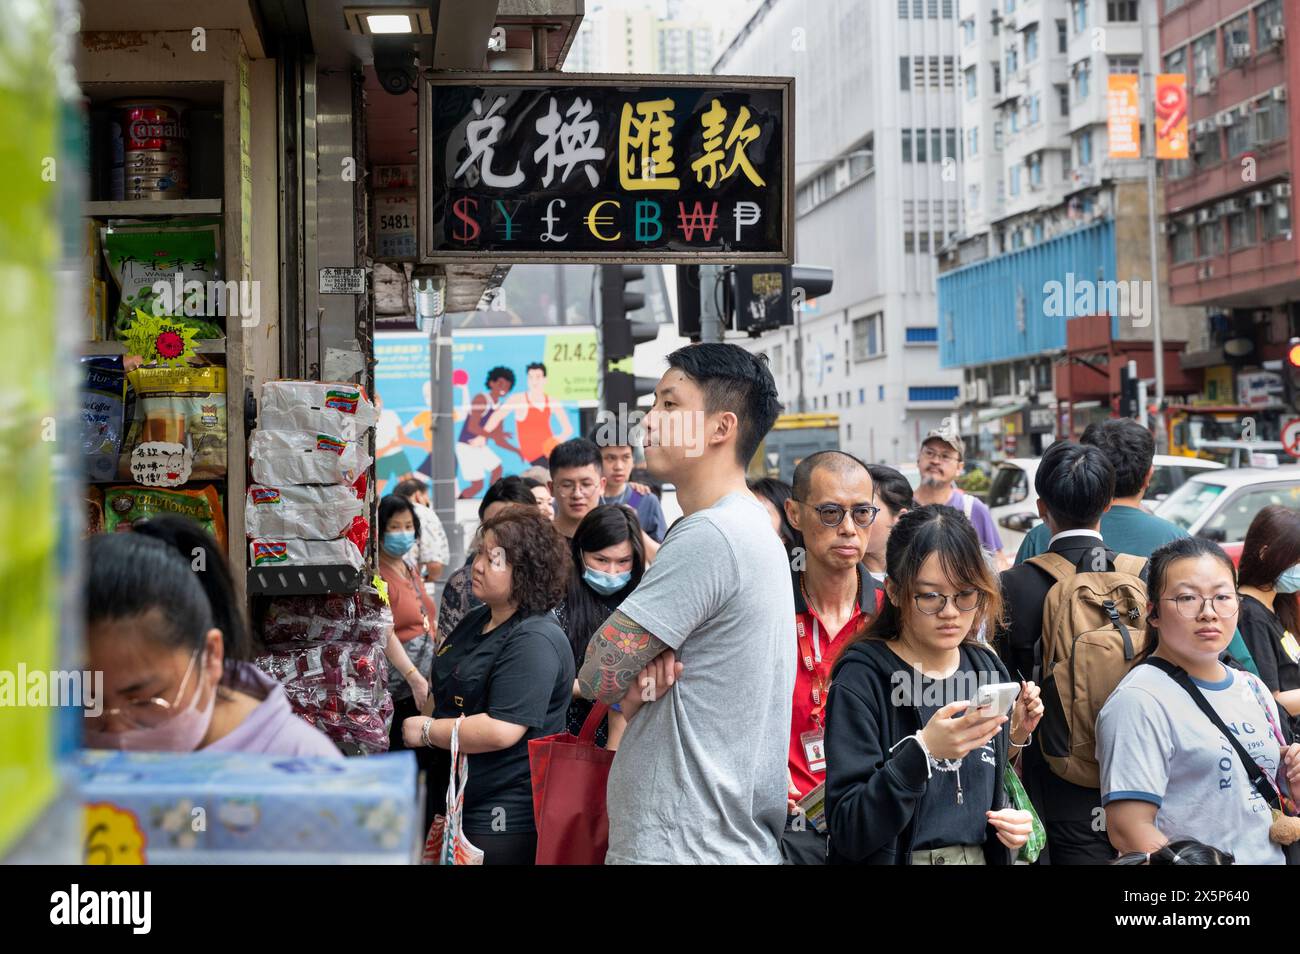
x=699, y=654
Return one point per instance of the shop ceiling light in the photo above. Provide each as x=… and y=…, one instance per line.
x=388, y=21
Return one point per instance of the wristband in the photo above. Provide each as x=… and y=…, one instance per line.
x=424, y=733
x=616, y=707
x=407, y=674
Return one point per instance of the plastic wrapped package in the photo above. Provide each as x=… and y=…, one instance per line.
x=333, y=408
x=341, y=688
x=360, y=617
x=305, y=457
x=313, y=512
x=290, y=551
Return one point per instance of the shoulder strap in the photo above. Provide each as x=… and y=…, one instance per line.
x=1263, y=784
x=1054, y=565
x=1130, y=564
x=967, y=504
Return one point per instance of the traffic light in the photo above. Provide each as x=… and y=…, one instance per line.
x=764, y=297
x=688, y=301
x=619, y=335
x=810, y=281
x=1128, y=390
x=1291, y=374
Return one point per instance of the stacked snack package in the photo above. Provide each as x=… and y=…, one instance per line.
x=308, y=454
x=328, y=653
x=308, y=463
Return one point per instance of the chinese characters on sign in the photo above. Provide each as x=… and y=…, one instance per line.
x=1122, y=121
x=603, y=168
x=1171, y=116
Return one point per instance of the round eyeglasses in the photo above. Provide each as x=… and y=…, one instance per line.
x=932, y=604
x=1190, y=605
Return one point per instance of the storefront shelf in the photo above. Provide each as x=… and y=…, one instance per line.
x=144, y=208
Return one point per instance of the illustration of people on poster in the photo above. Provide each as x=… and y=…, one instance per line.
x=517, y=393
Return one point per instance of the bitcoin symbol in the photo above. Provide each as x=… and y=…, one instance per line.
x=471, y=229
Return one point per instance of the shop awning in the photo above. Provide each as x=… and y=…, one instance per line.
x=993, y=413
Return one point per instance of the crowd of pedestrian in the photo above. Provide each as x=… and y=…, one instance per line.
x=843, y=669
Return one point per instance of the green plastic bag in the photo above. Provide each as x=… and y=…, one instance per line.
x=1019, y=798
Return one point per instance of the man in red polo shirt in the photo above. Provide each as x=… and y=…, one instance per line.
x=833, y=506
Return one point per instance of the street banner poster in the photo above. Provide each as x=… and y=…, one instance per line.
x=587, y=168
x=1122, y=120
x=516, y=394
x=1171, y=116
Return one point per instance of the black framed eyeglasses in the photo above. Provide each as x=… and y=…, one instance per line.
x=832, y=515
x=932, y=604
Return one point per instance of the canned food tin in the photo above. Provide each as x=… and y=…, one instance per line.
x=155, y=141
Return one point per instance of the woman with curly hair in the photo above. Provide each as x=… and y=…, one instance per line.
x=508, y=669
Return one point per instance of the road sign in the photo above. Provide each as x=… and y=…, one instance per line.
x=1291, y=437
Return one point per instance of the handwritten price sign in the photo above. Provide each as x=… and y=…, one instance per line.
x=161, y=464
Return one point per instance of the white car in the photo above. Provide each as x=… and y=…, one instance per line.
x=1013, y=501
x=1220, y=505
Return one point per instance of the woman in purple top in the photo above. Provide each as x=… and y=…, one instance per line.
x=175, y=680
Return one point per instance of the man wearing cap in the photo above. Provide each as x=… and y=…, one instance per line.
x=939, y=462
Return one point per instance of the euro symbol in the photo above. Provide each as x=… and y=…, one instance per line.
x=594, y=220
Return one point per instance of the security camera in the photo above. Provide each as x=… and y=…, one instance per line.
x=395, y=65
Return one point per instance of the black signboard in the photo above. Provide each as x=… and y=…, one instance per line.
x=580, y=168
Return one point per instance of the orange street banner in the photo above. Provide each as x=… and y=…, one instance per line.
x=1171, y=116
x=1122, y=122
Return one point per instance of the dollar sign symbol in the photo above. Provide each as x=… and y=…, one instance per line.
x=471, y=229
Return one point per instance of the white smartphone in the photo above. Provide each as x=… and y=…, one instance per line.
x=995, y=699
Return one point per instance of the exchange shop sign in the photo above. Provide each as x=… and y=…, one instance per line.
x=529, y=168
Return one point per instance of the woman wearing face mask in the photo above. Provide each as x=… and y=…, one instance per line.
x=410, y=647
x=508, y=670
x=1269, y=621
x=1167, y=770
x=168, y=684
x=608, y=562
x=914, y=775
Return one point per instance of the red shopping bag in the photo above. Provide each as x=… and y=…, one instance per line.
x=569, y=775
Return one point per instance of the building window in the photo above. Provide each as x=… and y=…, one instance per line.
x=1241, y=229
x=1238, y=136
x=997, y=79
x=997, y=136
x=1236, y=40
x=948, y=9
x=968, y=31
x=909, y=242
x=933, y=9
x=949, y=71
x=972, y=82
x=1038, y=232
x=923, y=242
x=868, y=336
x=1080, y=15
x=1015, y=120
x=907, y=144
x=1031, y=43
x=1124, y=64
x=933, y=394
x=929, y=335
x=902, y=9
x=880, y=392
x=920, y=146
x=973, y=198
x=1013, y=61
x=1122, y=11
x=1035, y=163
x=1033, y=108
x=903, y=67
x=1081, y=75
x=1015, y=179
x=1207, y=150
x=973, y=141
x=1063, y=100
x=1062, y=36
x=1210, y=236
x=1276, y=220
x=1176, y=62
x=1183, y=246
x=918, y=9
x=1205, y=57
x=1267, y=16
x=1270, y=120
x=950, y=143
x=1085, y=148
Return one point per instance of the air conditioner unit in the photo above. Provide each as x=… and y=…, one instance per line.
x=1197, y=145
x=1204, y=127
x=1239, y=53
x=1224, y=118
x=1205, y=85
x=981, y=391
x=1188, y=221
x=1229, y=206
x=1023, y=387
x=1282, y=190
x=1279, y=93
x=1258, y=199
x=1205, y=215
x=1205, y=272
x=1277, y=33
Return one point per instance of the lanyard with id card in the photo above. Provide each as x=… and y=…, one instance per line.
x=814, y=740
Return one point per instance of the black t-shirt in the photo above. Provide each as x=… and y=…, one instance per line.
x=940, y=821
x=522, y=673
x=1263, y=634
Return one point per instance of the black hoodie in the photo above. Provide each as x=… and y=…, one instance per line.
x=872, y=794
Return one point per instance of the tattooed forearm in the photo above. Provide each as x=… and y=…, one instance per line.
x=615, y=655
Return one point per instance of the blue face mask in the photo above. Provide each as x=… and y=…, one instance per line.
x=1289, y=581
x=606, y=583
x=396, y=544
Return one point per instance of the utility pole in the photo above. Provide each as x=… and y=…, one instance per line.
x=1157, y=329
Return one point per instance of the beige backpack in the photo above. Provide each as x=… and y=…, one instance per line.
x=1094, y=627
